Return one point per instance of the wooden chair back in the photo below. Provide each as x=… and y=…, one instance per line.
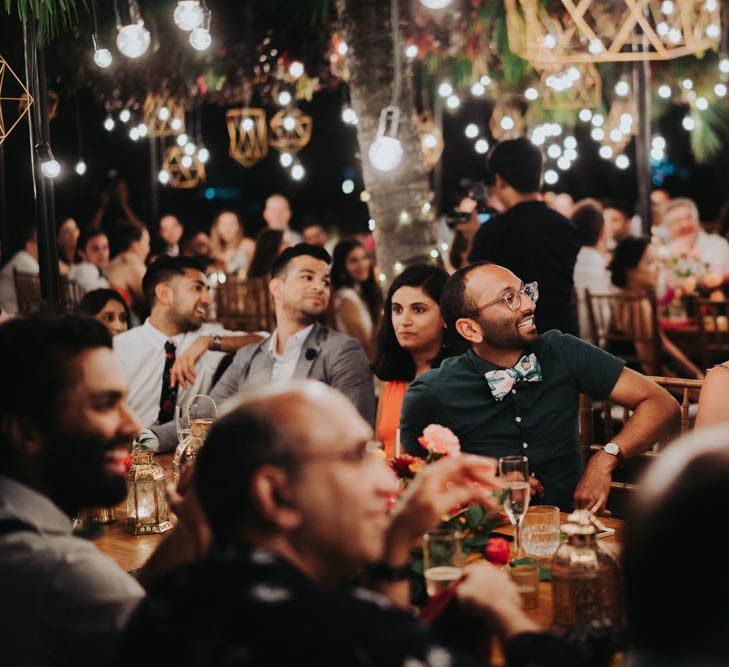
x=617, y=324
x=712, y=322
x=28, y=290
x=245, y=305
x=591, y=442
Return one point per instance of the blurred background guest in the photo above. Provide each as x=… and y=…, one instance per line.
x=357, y=295
x=170, y=234
x=618, y=223
x=107, y=306
x=229, y=244
x=198, y=245
x=25, y=260
x=68, y=233
x=126, y=271
x=270, y=243
x=412, y=339
x=315, y=234
x=277, y=215
x=93, y=247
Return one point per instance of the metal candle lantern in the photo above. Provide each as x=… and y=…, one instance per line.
x=147, y=511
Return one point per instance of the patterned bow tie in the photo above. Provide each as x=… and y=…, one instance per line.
x=501, y=382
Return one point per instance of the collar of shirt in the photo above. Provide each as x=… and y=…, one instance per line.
x=482, y=366
x=159, y=338
x=18, y=501
x=293, y=345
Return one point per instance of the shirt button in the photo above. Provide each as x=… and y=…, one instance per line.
x=524, y=445
x=518, y=420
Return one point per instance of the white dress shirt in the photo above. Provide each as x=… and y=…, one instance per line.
x=590, y=273
x=285, y=364
x=714, y=250
x=141, y=354
x=88, y=276
x=22, y=261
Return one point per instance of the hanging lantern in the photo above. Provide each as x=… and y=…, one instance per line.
x=291, y=130
x=15, y=100
x=163, y=116
x=248, y=135
x=574, y=86
x=183, y=171
x=431, y=140
x=507, y=121
x=147, y=511
x=616, y=31
x=621, y=125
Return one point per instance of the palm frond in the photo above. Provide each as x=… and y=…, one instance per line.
x=711, y=132
x=53, y=16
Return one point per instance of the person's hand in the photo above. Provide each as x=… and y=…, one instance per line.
x=594, y=486
x=183, y=370
x=183, y=501
x=488, y=591
x=438, y=488
x=535, y=487
x=104, y=198
x=122, y=192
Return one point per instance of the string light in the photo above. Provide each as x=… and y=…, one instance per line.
x=297, y=172
x=296, y=69
x=134, y=134
x=186, y=161
x=549, y=41
x=188, y=15
x=163, y=177
x=181, y=140
x=702, y=104
x=80, y=167
x=622, y=162
x=109, y=124
x=482, y=146
x=688, y=123
x=564, y=163
x=142, y=130
x=585, y=115
x=724, y=65
x=471, y=130
x=398, y=267
x=598, y=134
x=372, y=225
x=404, y=217
x=507, y=123
x=596, y=47
x=382, y=277
x=133, y=38
x=453, y=102
x=434, y=253
x=102, y=56
x=176, y=124
x=598, y=120
x=605, y=152
x=200, y=38
x=411, y=51
x=687, y=84
x=531, y=94
x=284, y=98
x=622, y=88
x=478, y=89
x=435, y=4
x=720, y=90
x=349, y=116
x=203, y=155
x=570, y=154
x=50, y=167
x=189, y=149
x=445, y=89
x=551, y=177
x=286, y=159
x=570, y=142
x=664, y=91
x=385, y=152
x=348, y=186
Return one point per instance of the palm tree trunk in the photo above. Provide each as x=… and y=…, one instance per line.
x=365, y=27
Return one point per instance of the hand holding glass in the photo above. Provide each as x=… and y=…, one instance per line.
x=442, y=559
x=514, y=473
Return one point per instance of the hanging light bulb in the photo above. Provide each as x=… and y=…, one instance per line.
x=163, y=113
x=81, y=167
x=481, y=146
x=125, y=115
x=134, y=134
x=472, y=130
x=186, y=161
x=348, y=186
x=49, y=165
x=296, y=69
x=435, y=4
x=453, y=102
x=289, y=123
x=297, y=172
x=109, y=124
x=176, y=124
x=411, y=51
x=664, y=90
x=551, y=177
x=163, y=177
x=181, y=140
x=142, y=129
x=102, y=56
x=286, y=160
x=284, y=98
x=188, y=15
x=349, y=116
x=133, y=39
x=445, y=89
x=200, y=37
x=189, y=149
x=203, y=155
x=386, y=152
x=531, y=94
x=622, y=88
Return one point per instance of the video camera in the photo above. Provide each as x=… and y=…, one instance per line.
x=478, y=191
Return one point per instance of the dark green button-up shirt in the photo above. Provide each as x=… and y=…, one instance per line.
x=537, y=419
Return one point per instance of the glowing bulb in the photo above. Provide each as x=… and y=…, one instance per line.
x=411, y=51
x=551, y=177
x=485, y=80
x=554, y=151
x=342, y=48
x=720, y=90
x=102, y=58
x=189, y=149
x=430, y=140
x=674, y=35
x=549, y=41
x=596, y=46
x=531, y=94
x=200, y=39
x=284, y=98
x=203, y=155
x=398, y=266
x=246, y=125
x=605, y=152
x=598, y=119
x=622, y=162
x=662, y=28
x=385, y=153
x=622, y=88
x=688, y=123
x=109, y=124
x=188, y=15
x=349, y=116
x=564, y=163
x=477, y=89
x=571, y=154
x=435, y=4
x=482, y=146
x=667, y=7
x=702, y=104
x=125, y=115
x=134, y=134
x=507, y=123
x=186, y=161
x=570, y=142
x=142, y=129
x=585, y=115
x=471, y=130
x=176, y=124
x=289, y=123
x=163, y=113
x=445, y=89
x=163, y=177
x=664, y=91
x=80, y=167
x=658, y=142
x=687, y=84
x=657, y=154
x=348, y=186
x=453, y=102
x=710, y=5
x=286, y=159
x=50, y=168
x=713, y=31
x=133, y=40
x=724, y=65
x=616, y=135
x=297, y=172
x=296, y=69
x=181, y=140
x=598, y=134
x=371, y=224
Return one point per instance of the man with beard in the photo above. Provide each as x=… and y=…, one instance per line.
x=65, y=433
x=300, y=347
x=517, y=393
x=175, y=346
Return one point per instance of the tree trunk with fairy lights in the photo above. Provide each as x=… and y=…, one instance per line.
x=400, y=199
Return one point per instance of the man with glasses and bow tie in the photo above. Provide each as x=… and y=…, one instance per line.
x=516, y=392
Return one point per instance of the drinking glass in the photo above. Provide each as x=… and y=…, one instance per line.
x=202, y=407
x=182, y=421
x=526, y=578
x=442, y=559
x=540, y=531
x=514, y=472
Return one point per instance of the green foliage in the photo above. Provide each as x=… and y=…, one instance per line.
x=711, y=133
x=53, y=16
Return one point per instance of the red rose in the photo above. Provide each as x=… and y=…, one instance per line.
x=402, y=465
x=497, y=551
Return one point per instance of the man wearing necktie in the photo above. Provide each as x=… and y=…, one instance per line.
x=516, y=392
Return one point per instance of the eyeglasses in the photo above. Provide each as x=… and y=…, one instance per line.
x=512, y=299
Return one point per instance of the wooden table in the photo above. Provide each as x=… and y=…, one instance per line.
x=131, y=551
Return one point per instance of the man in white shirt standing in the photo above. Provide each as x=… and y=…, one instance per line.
x=277, y=214
x=175, y=347
x=685, y=236
x=93, y=246
x=590, y=272
x=25, y=260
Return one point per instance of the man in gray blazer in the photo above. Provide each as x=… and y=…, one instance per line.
x=300, y=347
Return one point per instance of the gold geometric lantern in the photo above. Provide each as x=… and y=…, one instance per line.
x=431, y=140
x=575, y=86
x=291, y=130
x=621, y=125
x=163, y=116
x=611, y=30
x=185, y=171
x=507, y=120
x=15, y=100
x=147, y=511
x=248, y=135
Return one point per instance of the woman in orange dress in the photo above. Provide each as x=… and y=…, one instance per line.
x=412, y=339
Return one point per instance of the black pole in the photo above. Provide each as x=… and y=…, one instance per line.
x=642, y=88
x=154, y=181
x=39, y=133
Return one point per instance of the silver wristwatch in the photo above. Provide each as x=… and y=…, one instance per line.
x=613, y=448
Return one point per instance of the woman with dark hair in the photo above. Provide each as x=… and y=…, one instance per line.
x=229, y=244
x=107, y=306
x=68, y=233
x=357, y=296
x=270, y=243
x=411, y=340
x=634, y=271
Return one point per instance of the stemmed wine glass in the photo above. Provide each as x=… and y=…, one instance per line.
x=514, y=472
x=182, y=420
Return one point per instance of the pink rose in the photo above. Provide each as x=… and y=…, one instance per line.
x=440, y=440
